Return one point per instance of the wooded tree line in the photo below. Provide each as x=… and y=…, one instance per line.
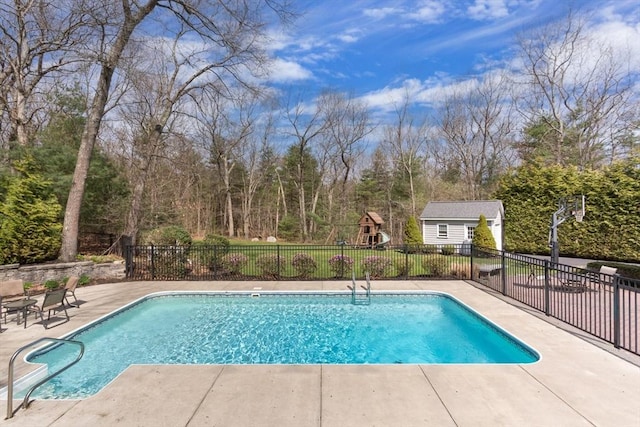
x=142, y=115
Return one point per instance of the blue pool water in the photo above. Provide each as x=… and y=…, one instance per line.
x=197, y=328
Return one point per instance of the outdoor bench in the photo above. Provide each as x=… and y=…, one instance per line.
x=489, y=270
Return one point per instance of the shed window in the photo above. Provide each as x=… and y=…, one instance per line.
x=443, y=231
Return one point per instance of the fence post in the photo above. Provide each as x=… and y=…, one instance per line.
x=153, y=264
x=503, y=274
x=547, y=287
x=278, y=261
x=471, y=254
x=616, y=311
x=214, y=262
x=406, y=262
x=341, y=260
x=128, y=261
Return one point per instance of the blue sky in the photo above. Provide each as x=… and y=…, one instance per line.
x=378, y=49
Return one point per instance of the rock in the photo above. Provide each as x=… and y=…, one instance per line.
x=271, y=239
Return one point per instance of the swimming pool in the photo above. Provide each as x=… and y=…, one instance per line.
x=278, y=328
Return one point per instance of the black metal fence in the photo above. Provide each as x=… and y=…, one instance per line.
x=604, y=305
x=289, y=262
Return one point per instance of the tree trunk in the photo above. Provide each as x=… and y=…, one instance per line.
x=71, y=225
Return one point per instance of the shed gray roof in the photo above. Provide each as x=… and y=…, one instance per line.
x=471, y=209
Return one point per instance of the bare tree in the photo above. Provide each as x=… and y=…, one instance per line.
x=224, y=127
x=406, y=142
x=260, y=141
x=233, y=30
x=578, y=89
x=169, y=76
x=305, y=128
x=37, y=43
x=347, y=125
x=474, y=134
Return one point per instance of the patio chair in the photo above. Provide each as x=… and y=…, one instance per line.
x=70, y=287
x=53, y=301
x=10, y=290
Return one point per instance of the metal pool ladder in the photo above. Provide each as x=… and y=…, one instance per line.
x=360, y=298
x=25, y=403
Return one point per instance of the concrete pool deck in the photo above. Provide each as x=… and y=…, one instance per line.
x=576, y=383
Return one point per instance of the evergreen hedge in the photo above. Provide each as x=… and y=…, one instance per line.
x=30, y=228
x=611, y=226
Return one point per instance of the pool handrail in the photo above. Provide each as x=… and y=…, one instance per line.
x=25, y=402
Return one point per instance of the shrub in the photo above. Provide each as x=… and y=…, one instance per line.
x=216, y=240
x=341, y=265
x=84, y=280
x=482, y=236
x=430, y=249
x=461, y=270
x=51, y=284
x=377, y=266
x=171, y=257
x=448, y=250
x=211, y=250
x=30, y=229
x=270, y=265
x=234, y=262
x=436, y=265
x=304, y=264
x=403, y=266
x=170, y=261
x=169, y=235
x=412, y=235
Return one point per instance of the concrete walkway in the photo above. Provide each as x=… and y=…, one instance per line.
x=576, y=383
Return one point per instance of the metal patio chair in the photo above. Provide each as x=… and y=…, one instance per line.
x=53, y=301
x=70, y=287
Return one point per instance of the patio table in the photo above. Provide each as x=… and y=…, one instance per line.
x=20, y=306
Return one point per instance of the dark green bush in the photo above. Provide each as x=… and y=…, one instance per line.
x=448, y=250
x=211, y=250
x=51, y=284
x=482, y=236
x=412, y=235
x=169, y=235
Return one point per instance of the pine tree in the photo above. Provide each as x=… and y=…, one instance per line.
x=482, y=236
x=412, y=235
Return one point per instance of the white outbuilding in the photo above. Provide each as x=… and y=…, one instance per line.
x=453, y=222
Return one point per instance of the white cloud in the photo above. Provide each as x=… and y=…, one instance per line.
x=388, y=98
x=282, y=71
x=348, y=37
x=428, y=11
x=381, y=13
x=623, y=40
x=488, y=9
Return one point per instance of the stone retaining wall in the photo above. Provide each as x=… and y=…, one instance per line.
x=39, y=273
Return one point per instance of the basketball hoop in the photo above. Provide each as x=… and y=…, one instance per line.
x=573, y=206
